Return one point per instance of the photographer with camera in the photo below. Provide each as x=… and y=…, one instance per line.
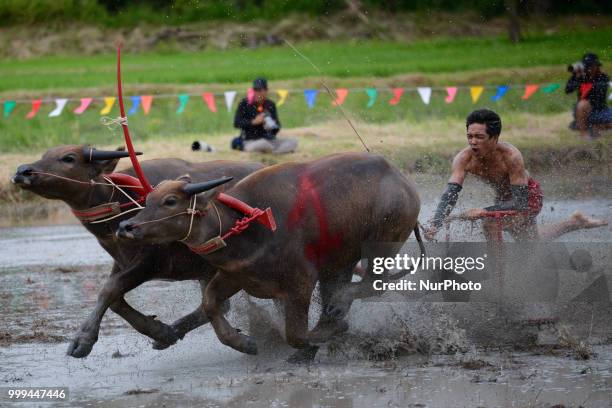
x=591, y=113
x=259, y=123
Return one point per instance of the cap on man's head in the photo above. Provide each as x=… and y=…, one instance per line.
x=260, y=84
x=589, y=60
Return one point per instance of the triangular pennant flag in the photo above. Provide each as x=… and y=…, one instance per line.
x=229, y=99
x=341, y=93
x=476, y=91
x=83, y=106
x=146, y=100
x=425, y=93
x=209, y=98
x=451, y=92
x=501, y=91
x=397, y=94
x=59, y=107
x=530, y=90
x=551, y=88
x=250, y=95
x=282, y=94
x=135, y=105
x=108, y=105
x=372, y=94
x=8, y=107
x=311, y=97
x=35, y=107
x=183, y=99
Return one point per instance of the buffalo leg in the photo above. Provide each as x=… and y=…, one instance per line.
x=191, y=321
x=219, y=289
x=297, y=306
x=118, y=283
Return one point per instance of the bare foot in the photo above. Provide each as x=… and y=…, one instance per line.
x=587, y=222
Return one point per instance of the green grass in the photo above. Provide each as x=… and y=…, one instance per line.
x=438, y=62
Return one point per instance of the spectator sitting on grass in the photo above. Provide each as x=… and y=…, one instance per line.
x=591, y=113
x=259, y=123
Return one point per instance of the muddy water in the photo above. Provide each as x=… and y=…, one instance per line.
x=50, y=276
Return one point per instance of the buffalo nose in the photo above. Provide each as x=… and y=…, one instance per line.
x=25, y=170
x=125, y=229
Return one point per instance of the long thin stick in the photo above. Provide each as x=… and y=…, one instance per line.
x=330, y=92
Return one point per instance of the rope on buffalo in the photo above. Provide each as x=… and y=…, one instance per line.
x=136, y=203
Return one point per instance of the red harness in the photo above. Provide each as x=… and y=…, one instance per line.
x=264, y=217
x=113, y=208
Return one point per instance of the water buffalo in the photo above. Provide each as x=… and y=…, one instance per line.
x=323, y=211
x=65, y=173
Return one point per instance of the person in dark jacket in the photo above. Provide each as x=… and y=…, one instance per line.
x=591, y=113
x=259, y=124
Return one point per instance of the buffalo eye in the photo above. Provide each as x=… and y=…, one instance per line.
x=170, y=202
x=68, y=159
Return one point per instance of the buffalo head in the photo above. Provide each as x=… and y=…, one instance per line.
x=51, y=176
x=167, y=215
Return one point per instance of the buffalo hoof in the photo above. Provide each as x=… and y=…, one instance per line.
x=325, y=331
x=304, y=356
x=81, y=346
x=166, y=337
x=338, y=310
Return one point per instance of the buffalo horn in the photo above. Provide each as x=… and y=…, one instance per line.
x=197, y=188
x=92, y=154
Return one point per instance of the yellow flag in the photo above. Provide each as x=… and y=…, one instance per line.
x=282, y=94
x=108, y=105
x=476, y=91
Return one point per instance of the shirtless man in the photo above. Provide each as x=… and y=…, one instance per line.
x=501, y=165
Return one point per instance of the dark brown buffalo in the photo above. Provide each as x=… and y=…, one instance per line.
x=135, y=262
x=324, y=210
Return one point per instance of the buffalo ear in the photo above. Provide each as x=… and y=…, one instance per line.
x=185, y=177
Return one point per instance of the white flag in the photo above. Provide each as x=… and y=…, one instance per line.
x=425, y=93
x=610, y=87
x=59, y=108
x=229, y=99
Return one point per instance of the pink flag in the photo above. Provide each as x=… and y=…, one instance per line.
x=529, y=90
x=397, y=94
x=209, y=98
x=146, y=101
x=451, y=92
x=84, y=105
x=35, y=107
x=250, y=95
x=342, y=92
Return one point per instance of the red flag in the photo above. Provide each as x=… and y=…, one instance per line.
x=530, y=90
x=35, y=107
x=210, y=101
x=397, y=94
x=146, y=101
x=342, y=92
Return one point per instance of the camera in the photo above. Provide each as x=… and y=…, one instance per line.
x=269, y=123
x=576, y=67
x=199, y=145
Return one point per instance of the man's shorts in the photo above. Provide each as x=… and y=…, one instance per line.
x=600, y=117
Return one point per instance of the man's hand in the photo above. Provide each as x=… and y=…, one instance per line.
x=473, y=214
x=259, y=119
x=430, y=233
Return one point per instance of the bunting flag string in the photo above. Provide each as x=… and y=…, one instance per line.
x=229, y=99
x=501, y=91
x=60, y=104
x=35, y=107
x=146, y=100
x=425, y=93
x=135, y=104
x=83, y=106
x=530, y=90
x=282, y=94
x=451, y=91
x=397, y=95
x=341, y=92
x=210, y=101
x=372, y=94
x=108, y=105
x=311, y=96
